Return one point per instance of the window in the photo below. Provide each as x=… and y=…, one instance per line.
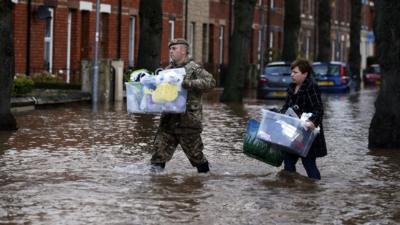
x=131, y=52
x=48, y=42
x=271, y=4
x=221, y=44
x=171, y=24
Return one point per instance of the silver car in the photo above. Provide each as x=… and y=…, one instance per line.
x=274, y=81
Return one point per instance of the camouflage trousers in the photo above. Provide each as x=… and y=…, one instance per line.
x=165, y=145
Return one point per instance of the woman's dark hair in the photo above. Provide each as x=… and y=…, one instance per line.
x=304, y=66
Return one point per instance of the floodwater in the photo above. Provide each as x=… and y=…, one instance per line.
x=69, y=165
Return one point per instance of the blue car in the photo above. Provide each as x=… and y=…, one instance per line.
x=332, y=77
x=274, y=81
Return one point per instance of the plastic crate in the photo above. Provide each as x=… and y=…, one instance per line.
x=287, y=132
x=157, y=94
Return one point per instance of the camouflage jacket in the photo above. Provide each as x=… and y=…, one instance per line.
x=198, y=81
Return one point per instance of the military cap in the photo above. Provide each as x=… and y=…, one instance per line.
x=178, y=41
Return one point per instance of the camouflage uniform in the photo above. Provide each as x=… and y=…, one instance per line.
x=185, y=129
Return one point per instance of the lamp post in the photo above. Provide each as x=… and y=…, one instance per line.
x=95, y=57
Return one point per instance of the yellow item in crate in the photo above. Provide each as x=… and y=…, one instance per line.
x=165, y=92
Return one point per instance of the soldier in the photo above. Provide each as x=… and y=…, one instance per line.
x=184, y=129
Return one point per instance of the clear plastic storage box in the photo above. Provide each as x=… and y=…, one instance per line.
x=157, y=93
x=286, y=131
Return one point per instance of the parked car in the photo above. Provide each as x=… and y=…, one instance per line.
x=372, y=75
x=274, y=80
x=332, y=76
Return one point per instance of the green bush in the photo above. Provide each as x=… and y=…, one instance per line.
x=22, y=85
x=46, y=78
x=57, y=85
x=50, y=81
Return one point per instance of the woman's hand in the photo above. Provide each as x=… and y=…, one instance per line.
x=309, y=125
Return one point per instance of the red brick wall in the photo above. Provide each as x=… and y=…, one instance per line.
x=37, y=43
x=61, y=9
x=219, y=11
x=20, y=27
x=172, y=9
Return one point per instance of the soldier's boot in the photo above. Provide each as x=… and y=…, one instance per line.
x=203, y=168
x=157, y=167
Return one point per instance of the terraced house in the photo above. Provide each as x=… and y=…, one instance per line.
x=54, y=36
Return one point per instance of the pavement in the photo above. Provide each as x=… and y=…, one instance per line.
x=53, y=96
x=45, y=97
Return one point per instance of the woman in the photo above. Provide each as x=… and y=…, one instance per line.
x=305, y=96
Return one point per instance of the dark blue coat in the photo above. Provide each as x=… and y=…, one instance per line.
x=308, y=99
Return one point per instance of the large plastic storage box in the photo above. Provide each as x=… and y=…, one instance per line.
x=287, y=132
x=259, y=149
x=157, y=93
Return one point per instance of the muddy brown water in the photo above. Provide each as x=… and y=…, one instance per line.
x=70, y=165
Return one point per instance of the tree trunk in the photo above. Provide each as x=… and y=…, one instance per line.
x=239, y=46
x=355, y=30
x=150, y=16
x=324, y=31
x=291, y=30
x=384, y=131
x=7, y=66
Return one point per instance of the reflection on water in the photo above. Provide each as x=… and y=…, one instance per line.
x=73, y=165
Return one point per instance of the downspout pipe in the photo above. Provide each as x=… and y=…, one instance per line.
x=262, y=47
x=230, y=19
x=28, y=39
x=186, y=18
x=269, y=48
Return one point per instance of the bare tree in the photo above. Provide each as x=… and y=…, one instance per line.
x=355, y=31
x=7, y=66
x=150, y=15
x=384, y=131
x=239, y=46
x=324, y=30
x=291, y=30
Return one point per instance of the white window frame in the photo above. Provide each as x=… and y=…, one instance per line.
x=69, y=32
x=192, y=31
x=171, y=24
x=131, y=50
x=271, y=39
x=270, y=45
x=259, y=44
x=49, y=40
x=221, y=43
x=333, y=48
x=308, y=40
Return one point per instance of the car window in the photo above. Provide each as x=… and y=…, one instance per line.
x=374, y=69
x=277, y=70
x=323, y=70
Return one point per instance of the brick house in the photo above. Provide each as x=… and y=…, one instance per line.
x=55, y=35
x=340, y=30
